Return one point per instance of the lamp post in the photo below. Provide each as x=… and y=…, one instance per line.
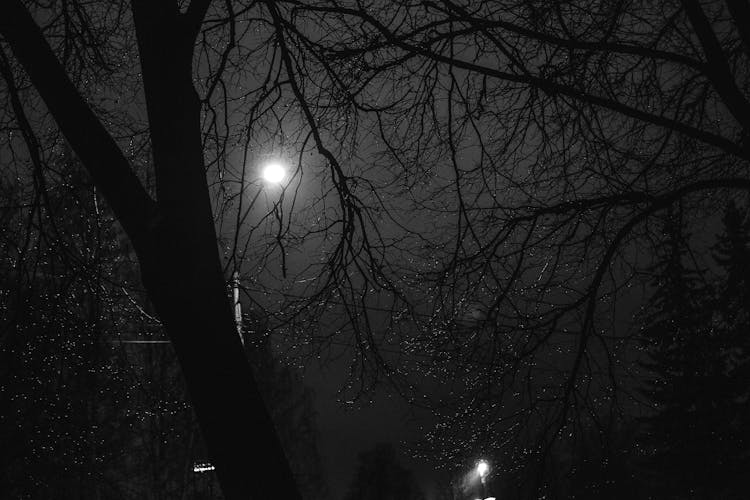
x=483, y=468
x=272, y=173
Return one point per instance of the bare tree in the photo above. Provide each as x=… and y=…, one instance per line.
x=521, y=149
x=174, y=235
x=479, y=181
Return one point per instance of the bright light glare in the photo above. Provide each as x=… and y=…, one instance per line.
x=482, y=468
x=274, y=173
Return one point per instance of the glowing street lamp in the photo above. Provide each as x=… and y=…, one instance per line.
x=483, y=468
x=274, y=173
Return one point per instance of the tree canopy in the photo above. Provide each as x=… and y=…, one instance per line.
x=471, y=191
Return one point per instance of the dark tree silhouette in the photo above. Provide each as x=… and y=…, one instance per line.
x=290, y=403
x=380, y=477
x=598, y=462
x=59, y=306
x=732, y=322
x=693, y=438
x=484, y=173
x=732, y=255
x=173, y=236
x=87, y=408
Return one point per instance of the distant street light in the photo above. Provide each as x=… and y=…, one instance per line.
x=274, y=173
x=483, y=468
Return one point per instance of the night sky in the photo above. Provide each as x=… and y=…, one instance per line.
x=450, y=231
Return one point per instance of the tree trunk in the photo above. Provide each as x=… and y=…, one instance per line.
x=174, y=238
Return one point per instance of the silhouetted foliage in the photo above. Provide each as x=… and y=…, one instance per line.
x=695, y=438
x=290, y=402
x=732, y=255
x=598, y=461
x=93, y=403
x=379, y=476
x=66, y=421
x=498, y=160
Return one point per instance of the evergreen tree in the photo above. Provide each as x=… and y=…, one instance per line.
x=732, y=255
x=683, y=436
x=379, y=476
x=732, y=320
